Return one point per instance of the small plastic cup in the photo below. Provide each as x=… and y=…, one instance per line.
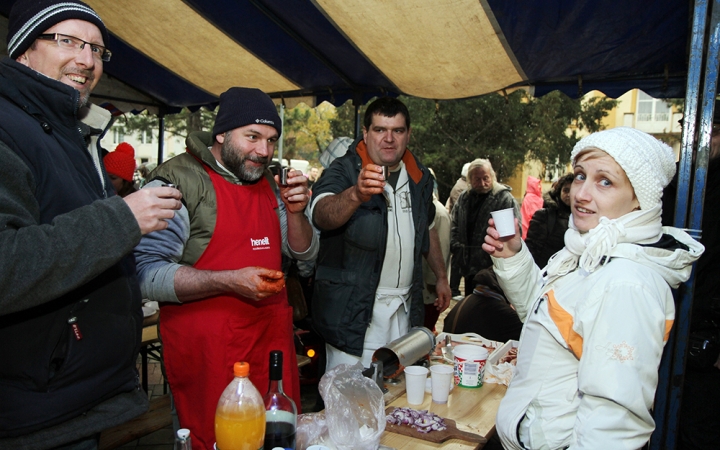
x=415, y=377
x=442, y=378
x=504, y=222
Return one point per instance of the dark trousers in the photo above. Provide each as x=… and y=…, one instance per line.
x=455, y=276
x=468, y=283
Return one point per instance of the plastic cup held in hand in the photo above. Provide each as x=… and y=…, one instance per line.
x=442, y=378
x=504, y=222
x=415, y=377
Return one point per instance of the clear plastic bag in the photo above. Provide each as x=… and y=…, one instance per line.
x=354, y=408
x=311, y=430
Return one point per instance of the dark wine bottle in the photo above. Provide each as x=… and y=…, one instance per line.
x=280, y=410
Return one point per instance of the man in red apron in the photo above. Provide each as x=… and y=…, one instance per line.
x=217, y=269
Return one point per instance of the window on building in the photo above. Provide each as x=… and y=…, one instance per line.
x=652, y=109
x=146, y=137
x=118, y=135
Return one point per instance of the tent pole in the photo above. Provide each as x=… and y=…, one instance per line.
x=701, y=159
x=282, y=136
x=161, y=137
x=357, y=101
x=672, y=369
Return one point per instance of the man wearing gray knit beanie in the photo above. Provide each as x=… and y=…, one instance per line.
x=70, y=310
x=217, y=269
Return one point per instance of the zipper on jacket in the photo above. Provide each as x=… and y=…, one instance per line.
x=543, y=298
x=75, y=328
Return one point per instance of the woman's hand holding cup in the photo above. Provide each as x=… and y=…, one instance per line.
x=502, y=247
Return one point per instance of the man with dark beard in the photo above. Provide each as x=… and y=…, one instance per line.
x=217, y=269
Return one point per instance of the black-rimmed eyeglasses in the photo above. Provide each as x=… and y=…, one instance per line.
x=76, y=44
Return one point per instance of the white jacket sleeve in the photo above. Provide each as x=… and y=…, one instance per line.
x=520, y=279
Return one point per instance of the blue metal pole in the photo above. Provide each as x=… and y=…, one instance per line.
x=700, y=162
x=696, y=208
x=662, y=398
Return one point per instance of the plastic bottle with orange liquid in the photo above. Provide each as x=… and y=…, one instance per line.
x=240, y=414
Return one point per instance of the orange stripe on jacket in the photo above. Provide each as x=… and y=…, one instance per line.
x=564, y=322
x=668, y=327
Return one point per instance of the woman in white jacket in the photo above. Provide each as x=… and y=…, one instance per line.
x=598, y=315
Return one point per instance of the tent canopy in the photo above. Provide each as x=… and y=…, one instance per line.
x=174, y=53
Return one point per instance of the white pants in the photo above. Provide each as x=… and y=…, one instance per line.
x=390, y=320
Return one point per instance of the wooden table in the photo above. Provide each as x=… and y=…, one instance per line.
x=473, y=410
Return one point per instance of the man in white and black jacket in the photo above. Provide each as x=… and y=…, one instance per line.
x=70, y=308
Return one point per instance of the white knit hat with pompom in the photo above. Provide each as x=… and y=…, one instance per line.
x=648, y=163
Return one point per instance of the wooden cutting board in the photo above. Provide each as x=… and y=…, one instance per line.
x=451, y=432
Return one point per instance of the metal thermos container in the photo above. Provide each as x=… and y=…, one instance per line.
x=405, y=351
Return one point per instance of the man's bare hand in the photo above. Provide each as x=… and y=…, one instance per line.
x=296, y=194
x=370, y=182
x=152, y=207
x=256, y=283
x=444, y=294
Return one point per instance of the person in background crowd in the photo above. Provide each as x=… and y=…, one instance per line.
x=546, y=234
x=532, y=201
x=470, y=218
x=441, y=226
x=459, y=187
x=603, y=307
x=485, y=311
x=120, y=166
x=313, y=176
x=217, y=269
x=143, y=174
x=70, y=308
x=700, y=403
x=374, y=232
x=455, y=270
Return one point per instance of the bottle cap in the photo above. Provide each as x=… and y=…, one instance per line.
x=183, y=433
x=241, y=369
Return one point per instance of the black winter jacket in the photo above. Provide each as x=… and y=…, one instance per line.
x=350, y=259
x=546, y=234
x=70, y=316
x=468, y=250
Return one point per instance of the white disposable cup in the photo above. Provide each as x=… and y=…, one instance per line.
x=415, y=377
x=442, y=378
x=504, y=222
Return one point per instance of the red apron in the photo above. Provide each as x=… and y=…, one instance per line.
x=203, y=339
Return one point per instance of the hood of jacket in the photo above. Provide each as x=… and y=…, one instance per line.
x=533, y=186
x=198, y=144
x=673, y=262
x=47, y=100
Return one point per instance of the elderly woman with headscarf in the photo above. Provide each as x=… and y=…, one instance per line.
x=598, y=316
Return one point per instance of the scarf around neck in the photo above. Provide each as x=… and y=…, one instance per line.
x=591, y=250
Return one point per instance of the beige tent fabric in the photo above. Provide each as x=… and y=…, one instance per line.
x=176, y=37
x=429, y=48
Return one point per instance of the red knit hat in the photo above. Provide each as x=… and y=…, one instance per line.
x=121, y=162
